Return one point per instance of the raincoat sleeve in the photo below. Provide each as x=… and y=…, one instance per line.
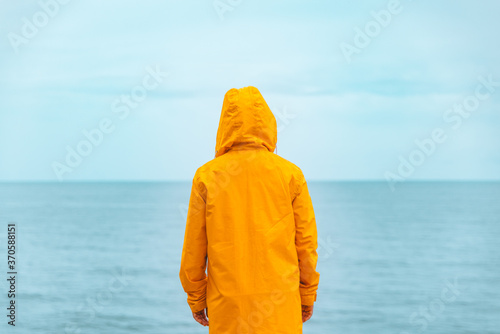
x=306, y=242
x=194, y=252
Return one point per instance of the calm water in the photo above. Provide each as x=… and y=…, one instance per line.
x=104, y=258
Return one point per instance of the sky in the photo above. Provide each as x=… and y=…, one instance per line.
x=371, y=90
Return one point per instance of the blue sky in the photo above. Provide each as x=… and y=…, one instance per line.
x=339, y=118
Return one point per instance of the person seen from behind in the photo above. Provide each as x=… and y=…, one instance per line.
x=249, y=256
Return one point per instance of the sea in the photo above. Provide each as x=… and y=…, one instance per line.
x=104, y=258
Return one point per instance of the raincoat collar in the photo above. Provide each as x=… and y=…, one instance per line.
x=246, y=122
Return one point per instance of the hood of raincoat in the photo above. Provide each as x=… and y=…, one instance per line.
x=246, y=120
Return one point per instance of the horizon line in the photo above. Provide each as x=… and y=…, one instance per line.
x=309, y=181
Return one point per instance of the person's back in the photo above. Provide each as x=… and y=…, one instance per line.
x=251, y=217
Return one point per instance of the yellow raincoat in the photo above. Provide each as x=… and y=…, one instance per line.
x=251, y=222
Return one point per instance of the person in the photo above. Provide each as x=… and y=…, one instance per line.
x=250, y=245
